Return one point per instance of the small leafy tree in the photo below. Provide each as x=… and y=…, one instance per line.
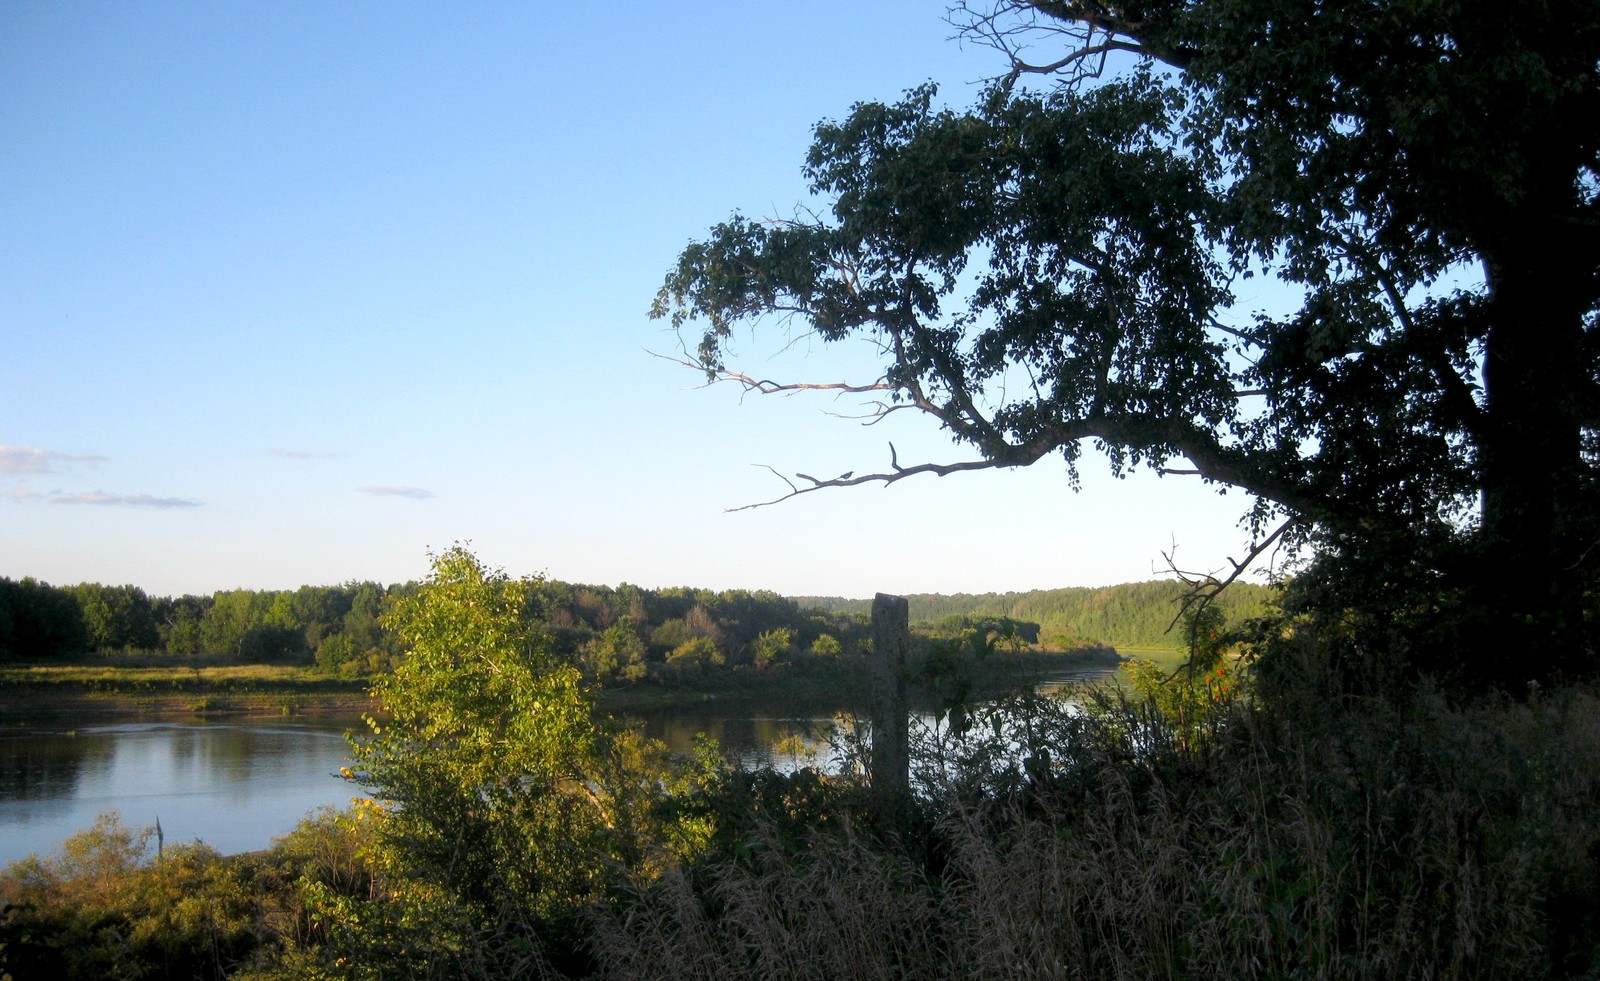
x=178, y=623
x=108, y=905
x=500, y=805
x=772, y=646
x=116, y=616
x=694, y=659
x=826, y=645
x=616, y=654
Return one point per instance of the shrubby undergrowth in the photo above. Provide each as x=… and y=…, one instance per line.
x=1207, y=824
x=1350, y=840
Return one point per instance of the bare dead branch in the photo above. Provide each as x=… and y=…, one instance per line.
x=766, y=386
x=1204, y=588
x=1210, y=586
x=780, y=476
x=851, y=479
x=1073, y=60
x=877, y=413
x=1088, y=30
x=1209, y=457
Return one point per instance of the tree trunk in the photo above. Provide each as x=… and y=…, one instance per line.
x=1534, y=518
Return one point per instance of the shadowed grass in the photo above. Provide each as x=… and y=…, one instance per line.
x=1337, y=841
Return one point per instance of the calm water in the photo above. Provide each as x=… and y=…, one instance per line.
x=237, y=785
x=232, y=785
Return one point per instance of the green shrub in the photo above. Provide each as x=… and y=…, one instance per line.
x=105, y=907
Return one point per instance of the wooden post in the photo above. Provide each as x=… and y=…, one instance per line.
x=891, y=748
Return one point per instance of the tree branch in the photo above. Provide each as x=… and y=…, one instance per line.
x=1208, y=586
x=767, y=386
x=1211, y=460
x=851, y=479
x=1454, y=388
x=1093, y=30
x=1204, y=588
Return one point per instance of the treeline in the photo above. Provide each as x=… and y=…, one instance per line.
x=1135, y=614
x=616, y=635
x=336, y=627
x=630, y=634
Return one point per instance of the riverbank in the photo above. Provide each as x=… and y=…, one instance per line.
x=35, y=696
x=53, y=695
x=847, y=684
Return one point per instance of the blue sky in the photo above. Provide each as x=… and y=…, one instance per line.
x=292, y=293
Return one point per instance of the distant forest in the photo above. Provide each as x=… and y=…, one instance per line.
x=1135, y=614
x=617, y=636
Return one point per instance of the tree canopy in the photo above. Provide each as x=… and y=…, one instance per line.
x=1065, y=262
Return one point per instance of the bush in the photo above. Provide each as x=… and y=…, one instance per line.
x=104, y=907
x=693, y=659
x=500, y=804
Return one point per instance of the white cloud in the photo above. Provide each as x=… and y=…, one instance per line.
x=415, y=493
x=122, y=500
x=20, y=461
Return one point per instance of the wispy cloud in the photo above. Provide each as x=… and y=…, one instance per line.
x=20, y=461
x=299, y=454
x=121, y=500
x=415, y=493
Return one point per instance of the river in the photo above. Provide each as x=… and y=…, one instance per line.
x=236, y=785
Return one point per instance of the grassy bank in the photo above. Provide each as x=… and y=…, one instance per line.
x=95, y=691
x=40, y=694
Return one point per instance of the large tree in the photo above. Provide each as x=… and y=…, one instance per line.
x=1062, y=264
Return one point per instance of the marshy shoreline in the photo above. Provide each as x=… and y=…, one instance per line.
x=53, y=695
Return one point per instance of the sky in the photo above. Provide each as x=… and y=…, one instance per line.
x=297, y=293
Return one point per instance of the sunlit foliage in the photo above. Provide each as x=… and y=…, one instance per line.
x=500, y=804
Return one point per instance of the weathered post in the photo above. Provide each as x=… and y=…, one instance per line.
x=891, y=747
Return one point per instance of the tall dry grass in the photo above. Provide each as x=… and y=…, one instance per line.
x=843, y=910
x=1307, y=839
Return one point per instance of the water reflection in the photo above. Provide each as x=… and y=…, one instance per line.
x=236, y=786
x=233, y=786
x=744, y=738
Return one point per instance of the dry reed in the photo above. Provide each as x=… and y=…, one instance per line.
x=1339, y=841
